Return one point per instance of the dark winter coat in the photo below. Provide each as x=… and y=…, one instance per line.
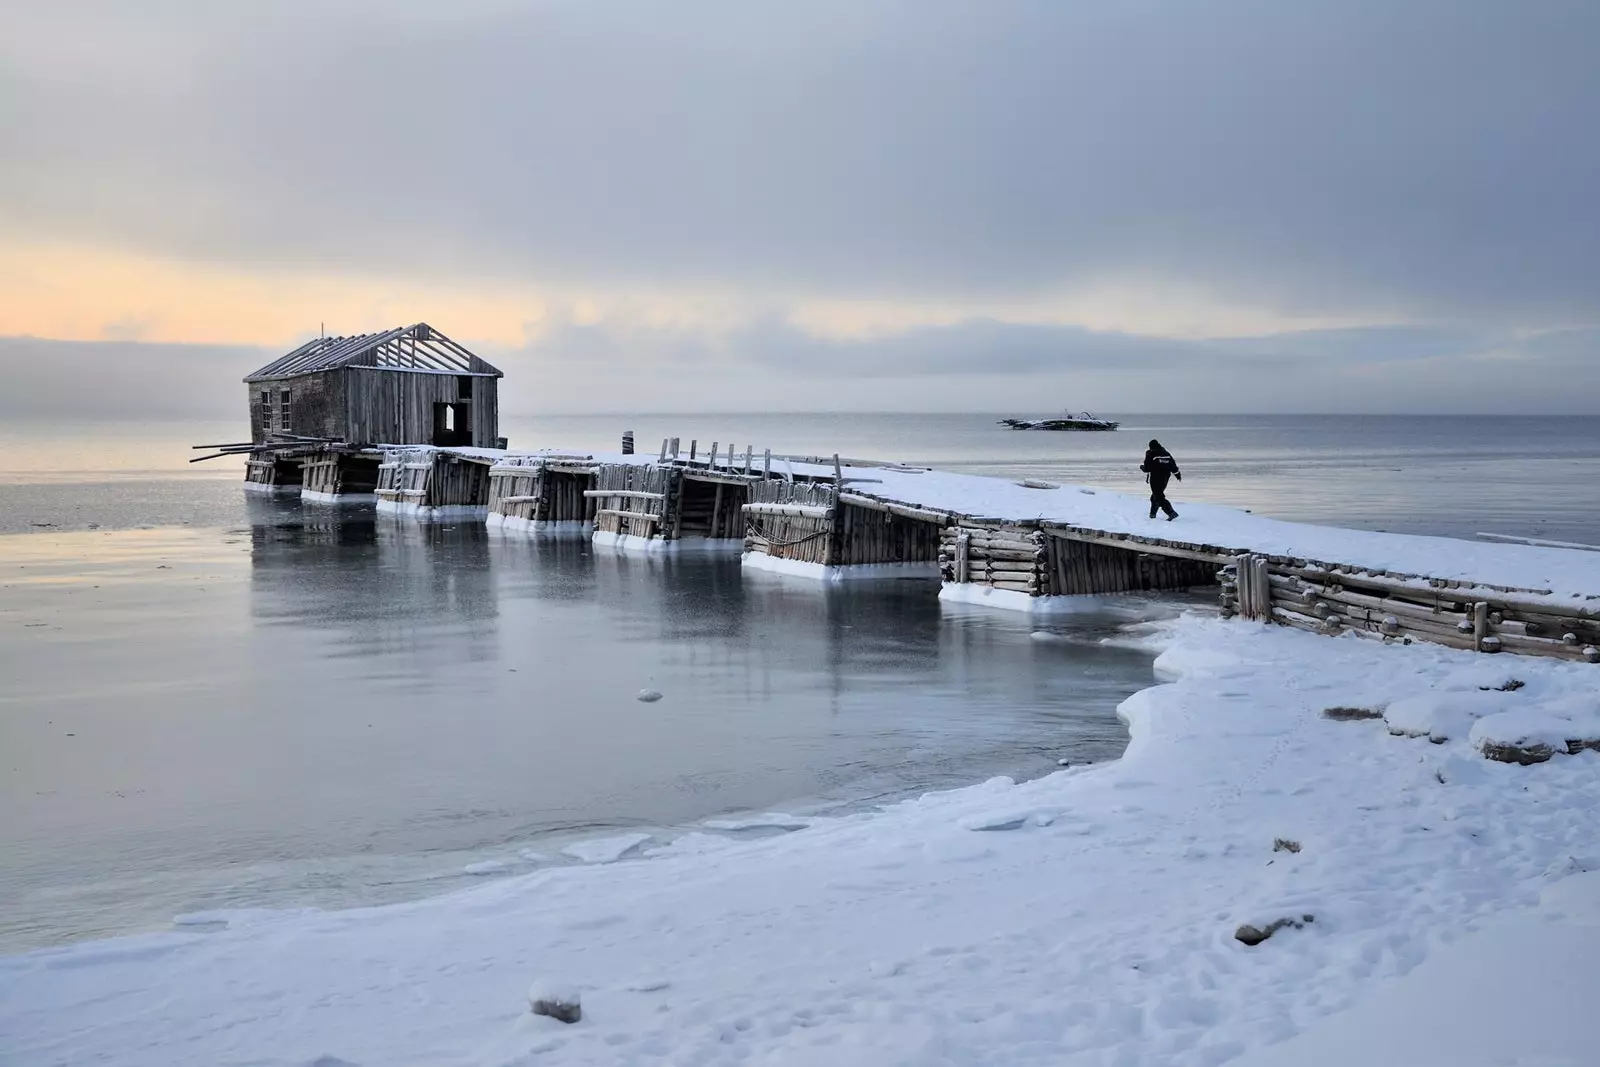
x=1160, y=466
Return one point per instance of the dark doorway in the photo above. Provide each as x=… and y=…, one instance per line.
x=452, y=425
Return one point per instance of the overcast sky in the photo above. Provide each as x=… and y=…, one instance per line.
x=1338, y=206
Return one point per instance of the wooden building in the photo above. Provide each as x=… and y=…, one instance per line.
x=337, y=396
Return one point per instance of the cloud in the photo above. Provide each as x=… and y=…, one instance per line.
x=614, y=365
x=123, y=380
x=1427, y=161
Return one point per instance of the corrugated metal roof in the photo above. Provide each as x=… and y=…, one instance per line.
x=415, y=348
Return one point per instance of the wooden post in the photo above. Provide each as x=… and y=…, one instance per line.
x=962, y=538
x=748, y=449
x=1263, y=588
x=838, y=475
x=1480, y=624
x=1245, y=582
x=693, y=444
x=663, y=457
x=674, y=448
x=716, y=510
x=766, y=466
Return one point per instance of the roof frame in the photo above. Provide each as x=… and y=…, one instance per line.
x=418, y=347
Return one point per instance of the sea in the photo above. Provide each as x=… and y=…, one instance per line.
x=214, y=701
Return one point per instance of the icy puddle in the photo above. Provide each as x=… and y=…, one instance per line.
x=325, y=711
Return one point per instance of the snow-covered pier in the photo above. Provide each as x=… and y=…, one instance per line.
x=1020, y=545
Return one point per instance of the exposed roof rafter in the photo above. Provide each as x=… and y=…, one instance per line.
x=417, y=348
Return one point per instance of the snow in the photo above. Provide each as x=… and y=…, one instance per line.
x=557, y=529
x=1086, y=917
x=682, y=546
x=1449, y=714
x=794, y=568
x=774, y=820
x=487, y=867
x=1486, y=1001
x=271, y=490
x=605, y=849
x=984, y=596
x=412, y=510
x=308, y=496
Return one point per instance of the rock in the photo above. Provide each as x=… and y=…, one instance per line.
x=1343, y=714
x=1254, y=935
x=1250, y=935
x=648, y=696
x=560, y=1003
x=1283, y=844
x=1526, y=753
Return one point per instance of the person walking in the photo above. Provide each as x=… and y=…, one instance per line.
x=1158, y=467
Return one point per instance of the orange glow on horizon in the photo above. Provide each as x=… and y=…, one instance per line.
x=86, y=294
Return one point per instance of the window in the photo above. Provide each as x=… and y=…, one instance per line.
x=285, y=412
x=268, y=419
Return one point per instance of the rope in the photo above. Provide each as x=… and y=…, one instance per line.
x=752, y=527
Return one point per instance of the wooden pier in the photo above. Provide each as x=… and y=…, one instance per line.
x=833, y=520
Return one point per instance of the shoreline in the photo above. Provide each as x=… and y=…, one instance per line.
x=931, y=928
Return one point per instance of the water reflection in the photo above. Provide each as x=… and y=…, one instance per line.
x=329, y=706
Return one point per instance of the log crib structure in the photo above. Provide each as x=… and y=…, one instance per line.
x=431, y=483
x=1329, y=599
x=543, y=493
x=833, y=532
x=673, y=503
x=1044, y=559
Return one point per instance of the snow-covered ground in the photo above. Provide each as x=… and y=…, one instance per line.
x=1088, y=917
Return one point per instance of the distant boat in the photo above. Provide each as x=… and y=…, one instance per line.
x=1081, y=421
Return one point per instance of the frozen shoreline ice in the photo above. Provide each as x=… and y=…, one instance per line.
x=1084, y=917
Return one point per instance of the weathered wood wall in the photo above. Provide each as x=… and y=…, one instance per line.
x=1404, y=608
x=1046, y=559
x=432, y=479
x=396, y=406
x=317, y=405
x=542, y=492
x=374, y=406
x=817, y=522
x=1078, y=567
x=790, y=520
x=635, y=500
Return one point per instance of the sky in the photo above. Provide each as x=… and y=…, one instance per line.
x=1241, y=206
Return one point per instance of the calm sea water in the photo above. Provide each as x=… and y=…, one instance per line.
x=213, y=701
x=1455, y=475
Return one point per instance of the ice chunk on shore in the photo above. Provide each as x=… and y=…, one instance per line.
x=605, y=849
